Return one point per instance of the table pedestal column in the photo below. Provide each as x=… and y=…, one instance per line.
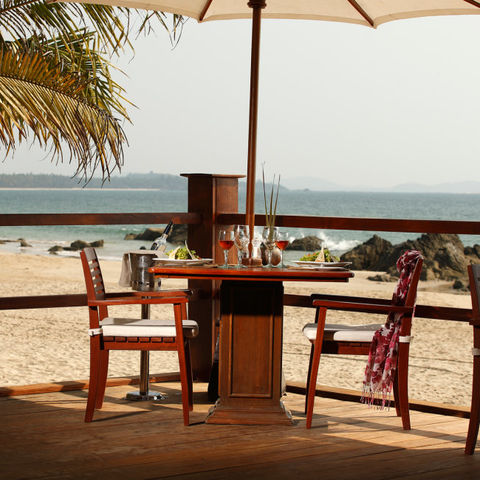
x=144, y=393
x=250, y=355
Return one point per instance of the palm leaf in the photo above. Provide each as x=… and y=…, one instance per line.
x=112, y=25
x=52, y=66
x=43, y=102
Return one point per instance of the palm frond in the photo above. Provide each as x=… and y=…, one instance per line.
x=113, y=25
x=24, y=18
x=41, y=100
x=55, y=81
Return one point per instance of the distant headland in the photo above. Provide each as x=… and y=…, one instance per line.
x=157, y=181
x=169, y=182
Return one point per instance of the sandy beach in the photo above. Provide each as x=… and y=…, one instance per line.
x=50, y=345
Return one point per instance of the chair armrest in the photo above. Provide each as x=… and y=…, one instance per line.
x=362, y=307
x=153, y=293
x=351, y=299
x=163, y=293
x=137, y=300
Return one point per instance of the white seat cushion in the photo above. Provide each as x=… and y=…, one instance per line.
x=133, y=327
x=342, y=333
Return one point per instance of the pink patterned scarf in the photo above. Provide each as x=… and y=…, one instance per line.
x=382, y=359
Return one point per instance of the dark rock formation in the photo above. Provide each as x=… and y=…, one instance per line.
x=75, y=246
x=177, y=236
x=374, y=254
x=459, y=285
x=472, y=253
x=130, y=236
x=149, y=234
x=445, y=256
x=307, y=244
x=23, y=242
x=382, y=277
x=81, y=244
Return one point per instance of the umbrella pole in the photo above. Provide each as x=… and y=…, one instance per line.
x=256, y=6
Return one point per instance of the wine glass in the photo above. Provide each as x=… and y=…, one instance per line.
x=269, y=238
x=242, y=238
x=226, y=239
x=283, y=239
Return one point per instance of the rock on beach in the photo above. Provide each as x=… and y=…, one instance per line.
x=446, y=258
x=309, y=243
x=76, y=245
x=178, y=234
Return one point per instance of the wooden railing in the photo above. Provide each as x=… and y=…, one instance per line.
x=37, y=219
x=337, y=223
x=361, y=224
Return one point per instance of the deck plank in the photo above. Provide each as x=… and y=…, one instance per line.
x=44, y=436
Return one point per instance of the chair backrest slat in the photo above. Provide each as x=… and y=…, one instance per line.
x=93, y=274
x=474, y=278
x=412, y=288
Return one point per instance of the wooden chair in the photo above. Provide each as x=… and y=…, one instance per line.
x=356, y=339
x=474, y=276
x=108, y=333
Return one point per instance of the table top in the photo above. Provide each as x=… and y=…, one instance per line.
x=214, y=272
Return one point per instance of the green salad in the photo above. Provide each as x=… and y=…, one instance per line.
x=312, y=257
x=183, y=253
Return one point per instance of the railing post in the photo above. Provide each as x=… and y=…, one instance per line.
x=208, y=195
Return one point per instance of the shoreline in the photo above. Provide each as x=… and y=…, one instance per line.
x=48, y=345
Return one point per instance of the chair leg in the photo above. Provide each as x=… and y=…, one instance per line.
x=395, y=394
x=475, y=408
x=188, y=364
x=312, y=378
x=402, y=374
x=184, y=383
x=307, y=387
x=94, y=377
x=102, y=378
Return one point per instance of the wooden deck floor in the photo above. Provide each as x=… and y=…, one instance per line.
x=43, y=436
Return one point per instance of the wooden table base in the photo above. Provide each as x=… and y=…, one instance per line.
x=250, y=355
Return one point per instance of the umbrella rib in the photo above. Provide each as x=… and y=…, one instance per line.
x=473, y=2
x=205, y=10
x=362, y=12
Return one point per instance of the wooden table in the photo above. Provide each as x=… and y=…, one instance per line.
x=251, y=329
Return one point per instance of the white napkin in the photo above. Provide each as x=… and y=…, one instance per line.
x=126, y=273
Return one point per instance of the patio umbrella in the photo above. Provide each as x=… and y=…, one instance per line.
x=370, y=13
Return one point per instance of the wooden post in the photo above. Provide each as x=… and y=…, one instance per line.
x=256, y=6
x=208, y=195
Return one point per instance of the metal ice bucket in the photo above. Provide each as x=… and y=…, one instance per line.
x=142, y=280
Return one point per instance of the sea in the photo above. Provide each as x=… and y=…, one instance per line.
x=431, y=206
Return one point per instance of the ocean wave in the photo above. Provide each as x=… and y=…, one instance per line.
x=340, y=245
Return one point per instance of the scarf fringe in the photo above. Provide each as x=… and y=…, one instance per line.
x=379, y=400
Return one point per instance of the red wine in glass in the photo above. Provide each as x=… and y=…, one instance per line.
x=282, y=241
x=226, y=239
x=226, y=244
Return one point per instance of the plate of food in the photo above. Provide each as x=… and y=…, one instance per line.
x=182, y=256
x=321, y=259
x=322, y=264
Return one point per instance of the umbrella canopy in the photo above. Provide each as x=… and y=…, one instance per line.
x=363, y=12
x=369, y=13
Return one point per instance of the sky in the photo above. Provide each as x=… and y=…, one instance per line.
x=338, y=102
